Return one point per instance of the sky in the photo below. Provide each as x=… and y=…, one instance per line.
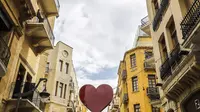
x=100, y=31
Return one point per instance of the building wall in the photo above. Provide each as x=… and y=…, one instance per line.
x=176, y=10
x=139, y=97
x=143, y=44
x=22, y=52
x=57, y=102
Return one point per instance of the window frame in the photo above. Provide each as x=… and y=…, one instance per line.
x=135, y=86
x=60, y=65
x=136, y=108
x=67, y=68
x=151, y=81
x=163, y=48
x=133, y=60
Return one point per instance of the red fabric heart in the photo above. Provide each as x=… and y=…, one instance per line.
x=96, y=99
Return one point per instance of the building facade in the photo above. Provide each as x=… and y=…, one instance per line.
x=62, y=82
x=114, y=105
x=26, y=32
x=137, y=78
x=174, y=26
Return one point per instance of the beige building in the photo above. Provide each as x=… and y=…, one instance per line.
x=62, y=83
x=174, y=27
x=114, y=105
x=26, y=32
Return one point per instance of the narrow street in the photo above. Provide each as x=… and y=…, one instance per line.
x=99, y=56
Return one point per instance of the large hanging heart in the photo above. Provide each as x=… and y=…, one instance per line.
x=96, y=99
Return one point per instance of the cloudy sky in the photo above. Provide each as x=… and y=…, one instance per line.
x=100, y=31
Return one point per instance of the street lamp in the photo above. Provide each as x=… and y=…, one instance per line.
x=43, y=94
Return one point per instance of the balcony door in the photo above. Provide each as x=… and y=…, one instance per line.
x=152, y=81
x=19, y=81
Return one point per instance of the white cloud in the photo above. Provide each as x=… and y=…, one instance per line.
x=100, y=31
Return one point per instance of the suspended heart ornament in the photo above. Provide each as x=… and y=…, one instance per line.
x=96, y=99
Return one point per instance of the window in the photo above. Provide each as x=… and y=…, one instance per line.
x=163, y=49
x=135, y=84
x=133, y=60
x=155, y=109
x=47, y=68
x=60, y=89
x=67, y=68
x=152, y=80
x=56, y=88
x=61, y=65
x=148, y=54
x=173, y=34
x=65, y=91
x=137, y=108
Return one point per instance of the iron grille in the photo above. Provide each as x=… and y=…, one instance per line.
x=191, y=19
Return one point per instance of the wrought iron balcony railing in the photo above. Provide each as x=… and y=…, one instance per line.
x=159, y=14
x=125, y=98
x=49, y=31
x=144, y=21
x=191, y=19
x=153, y=93
x=34, y=97
x=4, y=52
x=148, y=65
x=124, y=75
x=174, y=56
x=165, y=69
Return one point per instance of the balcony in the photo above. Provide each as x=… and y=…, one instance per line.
x=124, y=75
x=71, y=84
x=26, y=9
x=4, y=57
x=31, y=103
x=47, y=70
x=50, y=7
x=170, y=65
x=190, y=24
x=153, y=93
x=116, y=103
x=184, y=76
x=70, y=107
x=145, y=25
x=165, y=69
x=175, y=56
x=149, y=64
x=159, y=14
x=125, y=98
x=40, y=33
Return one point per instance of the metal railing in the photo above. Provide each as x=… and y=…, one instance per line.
x=40, y=19
x=148, y=65
x=144, y=21
x=165, y=69
x=153, y=93
x=174, y=55
x=49, y=30
x=34, y=97
x=125, y=98
x=57, y=5
x=47, y=70
x=124, y=75
x=191, y=19
x=4, y=52
x=159, y=14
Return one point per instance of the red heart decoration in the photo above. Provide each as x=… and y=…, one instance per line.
x=96, y=99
